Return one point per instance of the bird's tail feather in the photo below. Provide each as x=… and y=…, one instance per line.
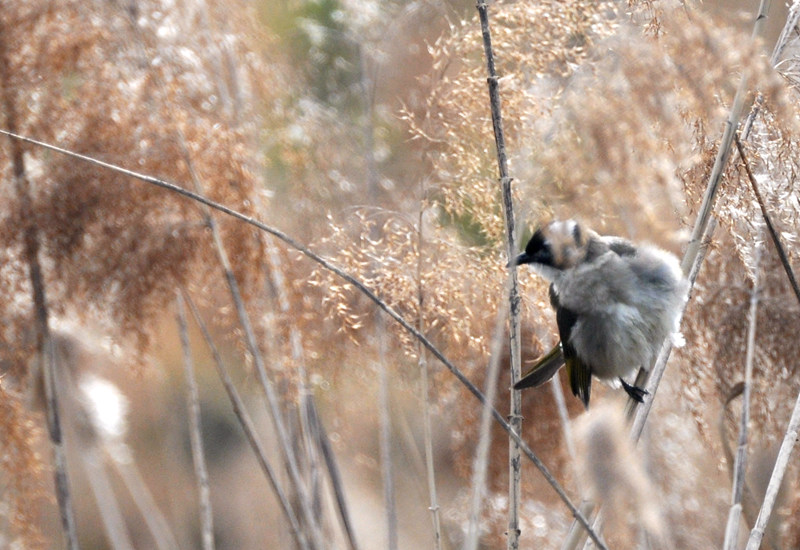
x=543, y=370
x=580, y=379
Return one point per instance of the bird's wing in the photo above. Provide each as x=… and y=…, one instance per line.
x=578, y=372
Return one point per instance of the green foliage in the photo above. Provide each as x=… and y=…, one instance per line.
x=321, y=45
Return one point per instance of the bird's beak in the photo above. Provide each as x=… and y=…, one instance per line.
x=521, y=259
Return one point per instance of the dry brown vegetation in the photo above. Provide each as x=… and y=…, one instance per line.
x=363, y=131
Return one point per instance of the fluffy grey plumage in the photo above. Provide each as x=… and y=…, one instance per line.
x=615, y=304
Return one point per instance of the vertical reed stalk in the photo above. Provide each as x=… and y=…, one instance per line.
x=515, y=415
x=195, y=431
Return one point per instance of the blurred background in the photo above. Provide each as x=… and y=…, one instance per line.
x=362, y=131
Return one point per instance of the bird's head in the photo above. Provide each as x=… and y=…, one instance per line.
x=558, y=245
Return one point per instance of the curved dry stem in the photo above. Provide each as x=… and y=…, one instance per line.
x=460, y=376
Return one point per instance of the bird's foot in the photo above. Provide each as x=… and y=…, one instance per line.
x=636, y=393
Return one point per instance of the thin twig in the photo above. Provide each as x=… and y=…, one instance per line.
x=764, y=514
x=311, y=520
x=248, y=426
x=360, y=286
x=792, y=19
x=44, y=343
x=333, y=472
x=385, y=435
x=566, y=427
x=749, y=506
x=195, y=431
x=515, y=416
x=312, y=523
x=740, y=461
x=776, y=240
x=367, y=85
x=789, y=28
x=776, y=479
x=693, y=258
x=157, y=524
x=642, y=411
x=723, y=153
x=47, y=355
x=107, y=505
x=427, y=434
x=301, y=407
x=480, y=463
x=422, y=362
x=315, y=435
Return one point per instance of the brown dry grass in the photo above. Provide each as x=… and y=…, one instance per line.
x=610, y=117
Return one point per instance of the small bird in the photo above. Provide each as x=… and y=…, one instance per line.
x=615, y=304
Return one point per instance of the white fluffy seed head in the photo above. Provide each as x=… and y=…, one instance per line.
x=614, y=473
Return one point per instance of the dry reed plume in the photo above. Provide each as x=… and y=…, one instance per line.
x=612, y=113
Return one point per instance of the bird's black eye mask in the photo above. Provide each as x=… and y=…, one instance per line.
x=537, y=251
x=536, y=244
